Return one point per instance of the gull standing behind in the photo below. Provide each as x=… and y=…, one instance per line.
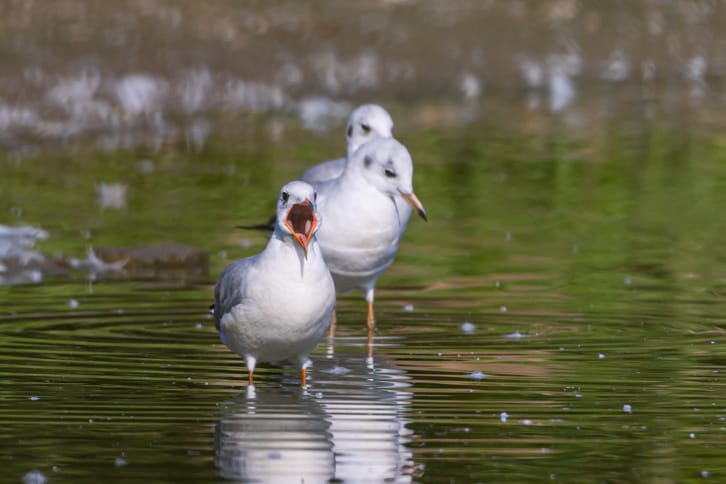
x=364, y=123
x=363, y=222
x=278, y=304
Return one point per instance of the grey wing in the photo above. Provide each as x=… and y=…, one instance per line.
x=327, y=170
x=229, y=289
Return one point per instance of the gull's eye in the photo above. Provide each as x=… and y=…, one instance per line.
x=366, y=129
x=390, y=173
x=284, y=197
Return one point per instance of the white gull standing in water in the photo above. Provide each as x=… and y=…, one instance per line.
x=364, y=123
x=364, y=221
x=278, y=304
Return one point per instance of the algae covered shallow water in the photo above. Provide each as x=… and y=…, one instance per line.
x=559, y=318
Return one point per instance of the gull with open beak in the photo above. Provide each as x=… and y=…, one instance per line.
x=366, y=122
x=366, y=210
x=278, y=304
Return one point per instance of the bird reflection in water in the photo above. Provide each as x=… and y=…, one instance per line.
x=349, y=425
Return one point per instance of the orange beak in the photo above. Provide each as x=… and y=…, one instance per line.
x=302, y=221
x=416, y=204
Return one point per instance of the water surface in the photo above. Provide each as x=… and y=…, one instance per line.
x=560, y=316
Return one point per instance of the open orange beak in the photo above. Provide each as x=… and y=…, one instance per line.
x=416, y=204
x=302, y=221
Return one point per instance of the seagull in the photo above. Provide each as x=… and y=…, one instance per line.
x=364, y=215
x=364, y=123
x=278, y=304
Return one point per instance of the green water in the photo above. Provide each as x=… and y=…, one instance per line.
x=590, y=263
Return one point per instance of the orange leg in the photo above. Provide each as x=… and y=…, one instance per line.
x=332, y=325
x=250, y=379
x=371, y=321
x=303, y=377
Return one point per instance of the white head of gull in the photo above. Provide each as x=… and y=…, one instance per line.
x=278, y=304
x=366, y=122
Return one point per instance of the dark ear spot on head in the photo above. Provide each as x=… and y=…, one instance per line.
x=367, y=161
x=350, y=130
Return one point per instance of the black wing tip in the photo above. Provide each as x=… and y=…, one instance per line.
x=268, y=227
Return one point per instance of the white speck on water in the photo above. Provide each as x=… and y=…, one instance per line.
x=532, y=72
x=627, y=408
x=56, y=469
x=34, y=398
x=319, y=395
x=628, y=281
x=477, y=375
x=337, y=370
x=696, y=409
x=601, y=356
x=503, y=416
x=245, y=243
x=705, y=474
x=508, y=236
x=222, y=254
x=553, y=477
x=691, y=435
x=90, y=420
x=408, y=308
x=497, y=284
x=439, y=354
x=526, y=421
x=713, y=342
x=561, y=87
x=34, y=477
x=73, y=304
x=578, y=395
x=467, y=327
x=112, y=195
x=198, y=326
x=120, y=462
x=502, y=309
x=145, y=166
x=517, y=335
